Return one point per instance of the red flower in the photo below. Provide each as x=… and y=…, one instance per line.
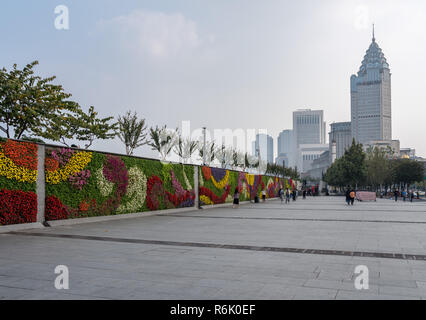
x=213, y=197
x=23, y=154
x=55, y=210
x=17, y=207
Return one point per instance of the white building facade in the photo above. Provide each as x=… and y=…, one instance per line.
x=309, y=137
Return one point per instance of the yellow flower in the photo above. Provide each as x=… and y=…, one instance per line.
x=206, y=200
x=221, y=184
x=11, y=171
x=250, y=179
x=76, y=164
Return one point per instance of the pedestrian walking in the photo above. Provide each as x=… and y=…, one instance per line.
x=304, y=193
x=352, y=196
x=395, y=194
x=281, y=193
x=287, y=196
x=263, y=195
x=236, y=198
x=348, y=196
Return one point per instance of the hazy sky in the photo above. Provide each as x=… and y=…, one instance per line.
x=222, y=63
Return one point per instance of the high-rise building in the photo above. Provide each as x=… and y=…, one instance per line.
x=264, y=147
x=308, y=127
x=285, y=148
x=341, y=133
x=308, y=137
x=371, y=114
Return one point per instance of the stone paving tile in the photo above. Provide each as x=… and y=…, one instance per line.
x=113, y=270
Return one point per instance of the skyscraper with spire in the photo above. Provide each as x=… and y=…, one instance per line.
x=371, y=104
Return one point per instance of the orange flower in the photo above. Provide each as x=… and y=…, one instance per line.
x=84, y=206
x=23, y=154
x=51, y=164
x=207, y=172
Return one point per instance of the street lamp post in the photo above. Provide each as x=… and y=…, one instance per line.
x=204, y=146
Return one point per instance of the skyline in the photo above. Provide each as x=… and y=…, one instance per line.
x=278, y=57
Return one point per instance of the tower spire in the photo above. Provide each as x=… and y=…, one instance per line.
x=374, y=38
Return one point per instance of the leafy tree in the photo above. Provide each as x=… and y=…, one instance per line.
x=353, y=164
x=31, y=106
x=408, y=171
x=80, y=126
x=132, y=131
x=378, y=167
x=29, y=103
x=334, y=175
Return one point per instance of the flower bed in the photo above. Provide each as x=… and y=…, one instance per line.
x=18, y=174
x=88, y=184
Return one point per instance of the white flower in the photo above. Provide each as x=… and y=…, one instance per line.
x=136, y=191
x=105, y=186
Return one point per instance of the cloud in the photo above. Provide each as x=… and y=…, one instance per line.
x=156, y=34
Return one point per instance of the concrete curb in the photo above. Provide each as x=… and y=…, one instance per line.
x=19, y=227
x=69, y=222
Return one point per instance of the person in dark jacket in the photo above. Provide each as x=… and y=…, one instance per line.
x=348, y=196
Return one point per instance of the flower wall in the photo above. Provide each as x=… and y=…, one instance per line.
x=84, y=184
x=18, y=174
x=217, y=186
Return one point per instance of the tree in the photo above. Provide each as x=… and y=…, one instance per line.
x=408, y=171
x=224, y=155
x=185, y=148
x=32, y=107
x=353, y=165
x=80, y=126
x=238, y=159
x=29, y=103
x=210, y=153
x=378, y=166
x=162, y=140
x=334, y=175
x=132, y=131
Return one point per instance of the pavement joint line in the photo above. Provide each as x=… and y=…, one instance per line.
x=293, y=219
x=328, y=209
x=397, y=256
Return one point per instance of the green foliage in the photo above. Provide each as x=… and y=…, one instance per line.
x=10, y=184
x=80, y=126
x=378, y=167
x=32, y=106
x=408, y=171
x=162, y=140
x=132, y=131
x=30, y=103
x=72, y=197
x=349, y=169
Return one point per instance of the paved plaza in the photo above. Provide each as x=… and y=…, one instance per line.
x=305, y=250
